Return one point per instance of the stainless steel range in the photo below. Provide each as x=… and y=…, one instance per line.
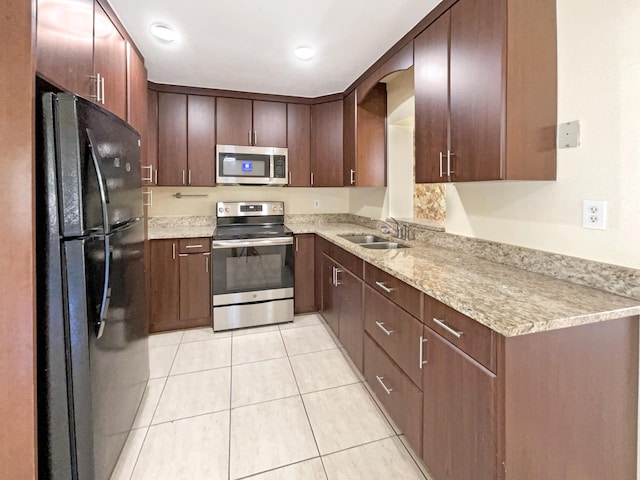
x=253, y=268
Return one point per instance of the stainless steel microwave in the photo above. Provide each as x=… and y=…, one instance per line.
x=239, y=165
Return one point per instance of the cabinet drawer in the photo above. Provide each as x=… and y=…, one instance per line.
x=394, y=289
x=194, y=245
x=346, y=259
x=398, y=333
x=398, y=394
x=471, y=337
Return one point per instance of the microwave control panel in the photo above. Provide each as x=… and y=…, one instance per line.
x=279, y=166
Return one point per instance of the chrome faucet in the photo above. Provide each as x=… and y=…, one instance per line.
x=400, y=230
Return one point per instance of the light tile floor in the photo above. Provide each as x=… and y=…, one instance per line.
x=267, y=403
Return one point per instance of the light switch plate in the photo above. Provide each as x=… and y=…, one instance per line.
x=569, y=134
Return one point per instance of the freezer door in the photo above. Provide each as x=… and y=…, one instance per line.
x=118, y=344
x=98, y=165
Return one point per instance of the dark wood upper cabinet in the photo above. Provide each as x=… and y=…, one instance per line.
x=489, y=74
x=62, y=59
x=137, y=106
x=234, y=125
x=201, y=140
x=247, y=122
x=152, y=139
x=365, y=138
x=172, y=139
x=269, y=124
x=326, y=144
x=371, y=139
x=477, y=76
x=110, y=63
x=299, y=144
x=432, y=100
x=349, y=141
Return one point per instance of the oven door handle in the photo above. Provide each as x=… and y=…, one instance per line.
x=258, y=242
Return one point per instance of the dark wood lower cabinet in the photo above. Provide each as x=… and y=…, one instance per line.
x=165, y=286
x=350, y=293
x=400, y=396
x=330, y=309
x=180, y=288
x=459, y=418
x=195, y=290
x=304, y=298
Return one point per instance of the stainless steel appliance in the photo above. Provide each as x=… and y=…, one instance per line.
x=253, y=268
x=239, y=165
x=93, y=357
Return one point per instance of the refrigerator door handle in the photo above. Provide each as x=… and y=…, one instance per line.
x=104, y=195
x=106, y=289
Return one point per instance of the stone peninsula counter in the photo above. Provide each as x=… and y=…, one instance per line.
x=509, y=300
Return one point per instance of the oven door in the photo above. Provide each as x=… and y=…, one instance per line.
x=253, y=270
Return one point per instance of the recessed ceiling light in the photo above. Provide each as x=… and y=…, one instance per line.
x=164, y=32
x=304, y=53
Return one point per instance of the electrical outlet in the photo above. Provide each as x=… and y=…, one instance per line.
x=594, y=214
x=316, y=204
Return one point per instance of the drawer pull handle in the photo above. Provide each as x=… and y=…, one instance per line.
x=384, y=287
x=453, y=332
x=422, y=342
x=382, y=327
x=380, y=380
x=194, y=246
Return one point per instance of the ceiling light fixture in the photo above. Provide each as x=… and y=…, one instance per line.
x=164, y=32
x=304, y=53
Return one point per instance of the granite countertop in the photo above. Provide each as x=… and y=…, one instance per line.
x=167, y=232
x=509, y=300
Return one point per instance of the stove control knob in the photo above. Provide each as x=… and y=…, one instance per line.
x=226, y=209
x=221, y=209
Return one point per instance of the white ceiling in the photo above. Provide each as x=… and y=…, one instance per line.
x=247, y=45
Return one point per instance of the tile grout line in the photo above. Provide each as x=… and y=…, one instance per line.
x=230, y=399
x=306, y=413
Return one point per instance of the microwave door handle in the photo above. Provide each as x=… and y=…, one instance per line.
x=104, y=194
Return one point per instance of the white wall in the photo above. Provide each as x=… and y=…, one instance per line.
x=598, y=84
x=297, y=200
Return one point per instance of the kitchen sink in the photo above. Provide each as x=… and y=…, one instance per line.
x=384, y=245
x=364, y=239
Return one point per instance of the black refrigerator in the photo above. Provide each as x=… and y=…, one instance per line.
x=93, y=357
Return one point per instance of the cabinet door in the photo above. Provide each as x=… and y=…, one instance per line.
x=477, y=88
x=431, y=50
x=269, y=124
x=299, y=144
x=304, y=298
x=152, y=139
x=233, y=121
x=201, y=140
x=330, y=303
x=326, y=144
x=172, y=139
x=110, y=61
x=195, y=290
x=349, y=140
x=65, y=58
x=165, y=286
x=350, y=291
x=371, y=139
x=137, y=103
x=459, y=417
